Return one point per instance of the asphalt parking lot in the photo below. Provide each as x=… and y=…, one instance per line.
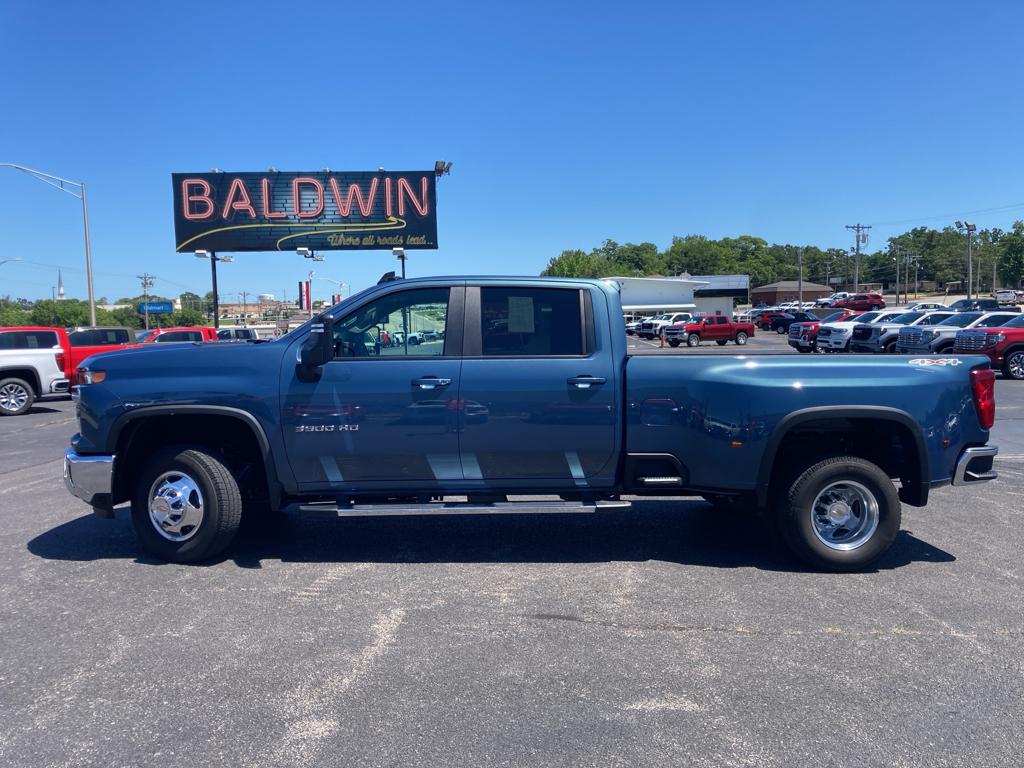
x=665, y=635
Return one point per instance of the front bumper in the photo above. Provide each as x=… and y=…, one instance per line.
x=917, y=349
x=90, y=478
x=865, y=346
x=975, y=465
x=60, y=387
x=833, y=342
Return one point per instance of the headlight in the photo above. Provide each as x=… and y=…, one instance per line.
x=994, y=338
x=88, y=376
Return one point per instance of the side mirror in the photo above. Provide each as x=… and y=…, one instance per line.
x=317, y=350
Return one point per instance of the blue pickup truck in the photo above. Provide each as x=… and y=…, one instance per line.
x=449, y=395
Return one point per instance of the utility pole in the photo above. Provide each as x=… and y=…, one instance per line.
x=245, y=306
x=800, y=279
x=147, y=283
x=860, y=237
x=968, y=228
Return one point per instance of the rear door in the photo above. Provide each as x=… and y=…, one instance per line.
x=539, y=390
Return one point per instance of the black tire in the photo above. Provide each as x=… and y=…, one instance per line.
x=693, y=340
x=673, y=342
x=890, y=348
x=221, y=503
x=875, y=307
x=781, y=329
x=16, y=396
x=794, y=514
x=804, y=350
x=741, y=338
x=945, y=349
x=721, y=342
x=1013, y=365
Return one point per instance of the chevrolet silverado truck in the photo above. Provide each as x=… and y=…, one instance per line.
x=652, y=327
x=530, y=392
x=31, y=364
x=941, y=337
x=717, y=328
x=1003, y=344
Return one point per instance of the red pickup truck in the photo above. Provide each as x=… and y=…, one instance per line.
x=861, y=302
x=1004, y=346
x=182, y=333
x=80, y=343
x=717, y=328
x=803, y=337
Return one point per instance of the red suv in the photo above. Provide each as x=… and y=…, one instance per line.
x=1004, y=346
x=861, y=302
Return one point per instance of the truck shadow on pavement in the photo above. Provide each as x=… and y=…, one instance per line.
x=685, y=532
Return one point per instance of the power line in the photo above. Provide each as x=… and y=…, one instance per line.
x=861, y=237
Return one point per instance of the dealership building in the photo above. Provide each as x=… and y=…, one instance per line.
x=699, y=294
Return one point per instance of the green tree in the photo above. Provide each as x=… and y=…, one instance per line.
x=12, y=314
x=1011, y=256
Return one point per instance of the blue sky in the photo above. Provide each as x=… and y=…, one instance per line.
x=568, y=123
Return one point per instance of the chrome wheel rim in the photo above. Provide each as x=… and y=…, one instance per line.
x=1015, y=365
x=844, y=515
x=741, y=338
x=176, y=506
x=13, y=397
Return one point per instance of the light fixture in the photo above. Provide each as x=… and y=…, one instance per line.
x=202, y=254
x=304, y=253
x=441, y=168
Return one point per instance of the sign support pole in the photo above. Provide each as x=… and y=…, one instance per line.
x=216, y=302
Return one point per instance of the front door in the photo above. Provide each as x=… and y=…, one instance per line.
x=384, y=414
x=539, y=393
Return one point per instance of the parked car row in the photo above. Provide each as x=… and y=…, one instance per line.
x=42, y=360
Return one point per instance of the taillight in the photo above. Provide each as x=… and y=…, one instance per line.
x=983, y=390
x=60, y=360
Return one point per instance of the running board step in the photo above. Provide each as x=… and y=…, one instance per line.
x=461, y=508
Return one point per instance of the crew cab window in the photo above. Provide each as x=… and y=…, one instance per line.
x=722, y=320
x=179, y=336
x=530, y=322
x=91, y=337
x=403, y=324
x=28, y=340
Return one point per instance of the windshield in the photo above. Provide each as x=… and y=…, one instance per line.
x=961, y=320
x=867, y=317
x=835, y=316
x=934, y=319
x=883, y=318
x=994, y=321
x=908, y=318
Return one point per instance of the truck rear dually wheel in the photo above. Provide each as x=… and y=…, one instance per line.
x=16, y=397
x=186, y=505
x=841, y=514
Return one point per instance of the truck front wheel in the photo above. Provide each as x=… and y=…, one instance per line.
x=16, y=397
x=186, y=505
x=693, y=340
x=840, y=514
x=673, y=342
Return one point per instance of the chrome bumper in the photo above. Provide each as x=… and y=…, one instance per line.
x=60, y=387
x=90, y=478
x=975, y=465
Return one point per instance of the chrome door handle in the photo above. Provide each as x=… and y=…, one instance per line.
x=431, y=382
x=585, y=382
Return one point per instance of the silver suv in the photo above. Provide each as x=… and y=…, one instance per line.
x=917, y=340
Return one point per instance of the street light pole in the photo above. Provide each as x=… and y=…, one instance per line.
x=59, y=183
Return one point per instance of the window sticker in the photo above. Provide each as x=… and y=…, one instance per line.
x=520, y=314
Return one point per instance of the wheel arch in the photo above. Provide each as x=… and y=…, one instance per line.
x=26, y=374
x=177, y=423
x=914, y=477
